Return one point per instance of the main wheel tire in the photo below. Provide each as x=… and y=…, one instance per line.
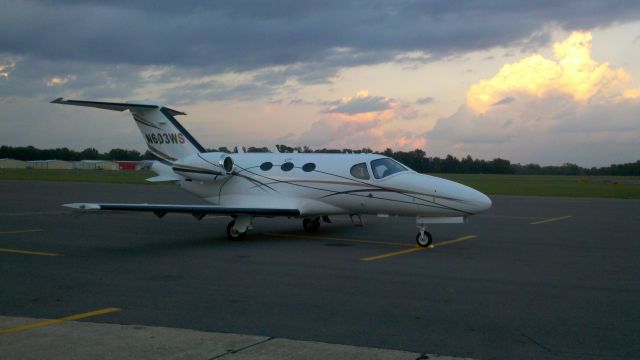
x=234, y=234
x=311, y=225
x=425, y=240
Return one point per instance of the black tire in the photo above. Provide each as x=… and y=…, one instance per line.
x=311, y=225
x=428, y=242
x=234, y=234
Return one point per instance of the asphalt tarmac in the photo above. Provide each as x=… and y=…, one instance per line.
x=534, y=278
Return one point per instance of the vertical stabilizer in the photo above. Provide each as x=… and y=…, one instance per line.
x=164, y=135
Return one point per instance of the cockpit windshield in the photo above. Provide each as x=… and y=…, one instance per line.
x=384, y=167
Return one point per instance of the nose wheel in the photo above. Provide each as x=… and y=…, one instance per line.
x=424, y=239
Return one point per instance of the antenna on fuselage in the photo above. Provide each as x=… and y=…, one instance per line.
x=274, y=149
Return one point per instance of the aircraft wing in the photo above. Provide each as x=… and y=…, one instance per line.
x=198, y=211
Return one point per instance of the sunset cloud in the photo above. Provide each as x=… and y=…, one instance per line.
x=536, y=110
x=362, y=117
x=573, y=72
x=360, y=104
x=58, y=81
x=257, y=72
x=5, y=69
x=632, y=93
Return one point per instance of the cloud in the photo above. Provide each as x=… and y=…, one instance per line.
x=193, y=51
x=574, y=73
x=425, y=100
x=504, y=101
x=632, y=93
x=215, y=90
x=572, y=109
x=59, y=81
x=5, y=69
x=299, y=101
x=356, y=121
x=361, y=103
x=249, y=35
x=120, y=48
x=545, y=130
x=332, y=131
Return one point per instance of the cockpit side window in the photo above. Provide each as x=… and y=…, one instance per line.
x=384, y=167
x=360, y=171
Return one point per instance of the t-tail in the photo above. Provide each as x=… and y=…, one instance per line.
x=164, y=135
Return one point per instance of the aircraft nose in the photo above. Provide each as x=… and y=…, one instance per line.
x=481, y=202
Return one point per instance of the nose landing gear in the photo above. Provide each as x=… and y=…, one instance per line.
x=424, y=238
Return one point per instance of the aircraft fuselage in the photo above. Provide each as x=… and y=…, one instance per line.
x=324, y=184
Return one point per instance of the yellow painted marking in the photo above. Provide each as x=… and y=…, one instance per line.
x=449, y=242
x=396, y=253
x=57, y=321
x=19, y=231
x=417, y=248
x=550, y=220
x=299, y=236
x=26, y=252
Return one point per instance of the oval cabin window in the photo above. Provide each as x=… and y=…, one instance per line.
x=308, y=167
x=266, y=166
x=286, y=166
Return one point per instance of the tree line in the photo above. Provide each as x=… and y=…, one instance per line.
x=28, y=153
x=416, y=159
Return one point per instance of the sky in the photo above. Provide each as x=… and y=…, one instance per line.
x=545, y=82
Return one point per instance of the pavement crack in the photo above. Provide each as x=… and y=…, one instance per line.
x=536, y=342
x=235, y=351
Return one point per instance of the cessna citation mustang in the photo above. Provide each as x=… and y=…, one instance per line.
x=308, y=186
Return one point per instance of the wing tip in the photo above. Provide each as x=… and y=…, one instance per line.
x=82, y=206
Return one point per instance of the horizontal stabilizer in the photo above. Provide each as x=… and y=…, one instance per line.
x=188, y=209
x=113, y=105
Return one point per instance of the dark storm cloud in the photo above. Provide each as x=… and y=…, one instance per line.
x=246, y=35
x=215, y=91
x=32, y=77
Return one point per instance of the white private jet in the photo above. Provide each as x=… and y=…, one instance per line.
x=308, y=186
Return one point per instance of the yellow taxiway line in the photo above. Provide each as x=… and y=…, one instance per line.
x=57, y=321
x=543, y=221
x=411, y=248
x=27, y=252
x=417, y=248
x=300, y=236
x=19, y=231
x=396, y=253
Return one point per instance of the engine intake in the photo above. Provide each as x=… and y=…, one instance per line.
x=205, y=167
x=226, y=163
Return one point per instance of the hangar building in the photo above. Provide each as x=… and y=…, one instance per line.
x=95, y=165
x=50, y=164
x=12, y=164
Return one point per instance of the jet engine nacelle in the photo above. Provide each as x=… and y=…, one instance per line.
x=205, y=167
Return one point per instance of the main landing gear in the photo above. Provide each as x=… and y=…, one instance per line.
x=237, y=228
x=313, y=224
